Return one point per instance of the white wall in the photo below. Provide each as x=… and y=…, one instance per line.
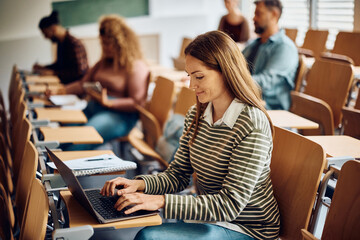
x=21, y=42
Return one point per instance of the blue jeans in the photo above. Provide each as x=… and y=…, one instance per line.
x=181, y=231
x=110, y=124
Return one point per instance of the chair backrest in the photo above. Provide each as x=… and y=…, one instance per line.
x=26, y=174
x=6, y=177
x=14, y=83
x=4, y=121
x=36, y=213
x=357, y=104
x=351, y=122
x=315, y=110
x=15, y=105
x=185, y=42
x=296, y=167
x=162, y=100
x=300, y=73
x=330, y=80
x=7, y=219
x=347, y=43
x=5, y=225
x=16, y=123
x=342, y=221
x=185, y=99
x=21, y=143
x=315, y=40
x=150, y=127
x=291, y=33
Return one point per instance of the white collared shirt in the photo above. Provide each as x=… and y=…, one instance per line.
x=230, y=116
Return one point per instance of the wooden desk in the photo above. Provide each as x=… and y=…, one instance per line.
x=42, y=79
x=79, y=216
x=286, y=119
x=69, y=155
x=41, y=88
x=338, y=145
x=61, y=115
x=76, y=135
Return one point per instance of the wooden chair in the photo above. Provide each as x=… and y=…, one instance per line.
x=26, y=174
x=17, y=123
x=14, y=83
x=357, y=104
x=6, y=177
x=342, y=221
x=7, y=219
x=153, y=118
x=5, y=225
x=296, y=167
x=351, y=122
x=330, y=81
x=20, y=146
x=300, y=73
x=4, y=124
x=315, y=110
x=185, y=99
x=291, y=33
x=36, y=214
x=314, y=43
x=179, y=62
x=347, y=43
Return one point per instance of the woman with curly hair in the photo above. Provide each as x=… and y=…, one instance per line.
x=122, y=73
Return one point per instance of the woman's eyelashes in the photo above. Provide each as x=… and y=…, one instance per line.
x=199, y=77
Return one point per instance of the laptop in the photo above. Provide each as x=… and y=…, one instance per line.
x=99, y=206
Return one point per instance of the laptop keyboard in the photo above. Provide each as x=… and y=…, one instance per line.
x=105, y=205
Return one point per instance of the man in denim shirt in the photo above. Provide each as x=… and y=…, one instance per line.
x=273, y=57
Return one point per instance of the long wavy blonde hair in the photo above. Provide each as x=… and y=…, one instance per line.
x=126, y=42
x=219, y=52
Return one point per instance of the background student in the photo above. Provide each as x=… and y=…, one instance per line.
x=123, y=75
x=272, y=58
x=227, y=142
x=71, y=61
x=234, y=23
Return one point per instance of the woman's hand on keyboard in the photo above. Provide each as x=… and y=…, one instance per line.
x=140, y=201
x=124, y=185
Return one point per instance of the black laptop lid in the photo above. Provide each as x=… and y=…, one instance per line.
x=72, y=182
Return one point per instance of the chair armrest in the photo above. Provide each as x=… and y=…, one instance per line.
x=39, y=123
x=78, y=233
x=49, y=144
x=307, y=235
x=306, y=52
x=338, y=57
x=35, y=105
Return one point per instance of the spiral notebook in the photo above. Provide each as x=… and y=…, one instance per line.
x=104, y=163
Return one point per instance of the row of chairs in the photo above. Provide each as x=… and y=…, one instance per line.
x=321, y=94
x=20, y=190
x=297, y=164
x=346, y=43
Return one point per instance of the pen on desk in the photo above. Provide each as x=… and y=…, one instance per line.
x=98, y=159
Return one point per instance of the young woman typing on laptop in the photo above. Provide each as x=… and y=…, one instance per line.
x=227, y=142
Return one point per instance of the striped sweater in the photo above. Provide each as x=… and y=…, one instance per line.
x=233, y=175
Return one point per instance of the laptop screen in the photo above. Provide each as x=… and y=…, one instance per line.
x=71, y=181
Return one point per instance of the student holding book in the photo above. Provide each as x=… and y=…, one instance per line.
x=227, y=142
x=71, y=61
x=122, y=73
